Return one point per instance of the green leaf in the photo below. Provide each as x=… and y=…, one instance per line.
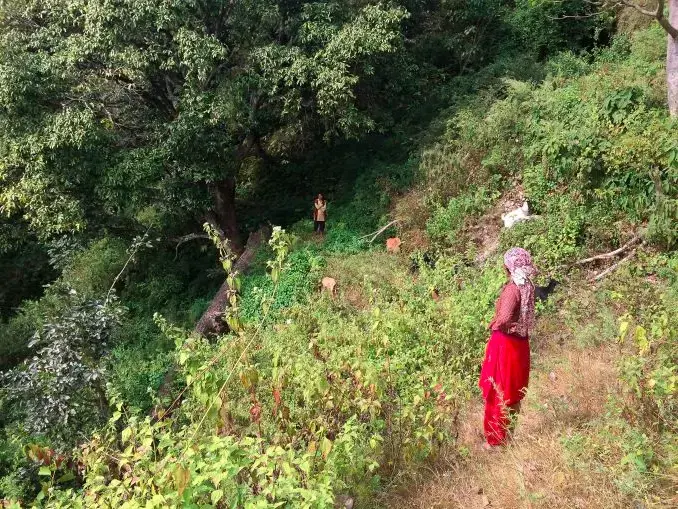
x=216, y=496
x=126, y=435
x=68, y=476
x=45, y=471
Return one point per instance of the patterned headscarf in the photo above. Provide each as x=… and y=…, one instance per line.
x=519, y=263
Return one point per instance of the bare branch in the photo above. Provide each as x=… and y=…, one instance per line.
x=658, y=14
x=635, y=6
x=614, y=267
x=577, y=16
x=188, y=238
x=135, y=247
x=611, y=254
x=380, y=231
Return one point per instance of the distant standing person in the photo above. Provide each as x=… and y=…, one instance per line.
x=319, y=214
x=506, y=370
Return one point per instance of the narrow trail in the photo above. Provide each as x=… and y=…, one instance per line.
x=568, y=388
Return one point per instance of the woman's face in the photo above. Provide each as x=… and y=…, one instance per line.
x=320, y=197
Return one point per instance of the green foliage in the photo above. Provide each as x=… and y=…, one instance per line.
x=298, y=280
x=118, y=115
x=446, y=222
x=335, y=399
x=92, y=271
x=102, y=107
x=16, y=333
x=567, y=65
x=634, y=440
x=59, y=391
x=135, y=371
x=591, y=146
x=544, y=27
x=556, y=238
x=24, y=266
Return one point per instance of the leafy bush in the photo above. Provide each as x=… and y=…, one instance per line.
x=546, y=27
x=555, y=239
x=336, y=398
x=60, y=391
x=135, y=371
x=91, y=272
x=16, y=333
x=596, y=133
x=446, y=222
x=300, y=277
x=567, y=65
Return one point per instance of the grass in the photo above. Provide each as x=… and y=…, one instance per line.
x=572, y=442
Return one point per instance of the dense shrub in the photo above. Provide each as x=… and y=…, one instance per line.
x=60, y=392
x=91, y=272
x=546, y=27
x=136, y=370
x=593, y=145
x=446, y=222
x=300, y=277
x=336, y=398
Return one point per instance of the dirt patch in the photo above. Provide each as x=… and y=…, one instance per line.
x=485, y=232
x=355, y=297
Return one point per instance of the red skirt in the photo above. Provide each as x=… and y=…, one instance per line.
x=503, y=380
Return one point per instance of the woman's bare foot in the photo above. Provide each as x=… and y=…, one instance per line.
x=487, y=447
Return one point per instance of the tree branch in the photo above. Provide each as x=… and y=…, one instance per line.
x=188, y=238
x=135, y=247
x=577, y=16
x=658, y=14
x=611, y=254
x=614, y=267
x=635, y=6
x=380, y=231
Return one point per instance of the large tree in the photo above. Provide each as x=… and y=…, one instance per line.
x=116, y=109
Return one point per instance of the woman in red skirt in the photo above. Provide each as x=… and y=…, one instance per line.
x=506, y=370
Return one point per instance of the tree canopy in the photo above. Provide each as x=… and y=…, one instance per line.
x=113, y=110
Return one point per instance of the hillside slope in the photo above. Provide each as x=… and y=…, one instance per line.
x=591, y=433
x=371, y=395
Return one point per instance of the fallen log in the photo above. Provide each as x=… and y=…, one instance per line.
x=211, y=321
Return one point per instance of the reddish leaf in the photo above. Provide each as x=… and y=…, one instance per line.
x=255, y=412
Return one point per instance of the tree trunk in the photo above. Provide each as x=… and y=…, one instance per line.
x=672, y=61
x=211, y=321
x=223, y=193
